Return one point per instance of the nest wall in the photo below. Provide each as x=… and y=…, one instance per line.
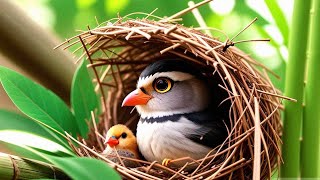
x=119, y=51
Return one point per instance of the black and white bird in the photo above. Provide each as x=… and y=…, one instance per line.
x=180, y=111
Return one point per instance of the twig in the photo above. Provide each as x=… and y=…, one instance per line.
x=257, y=142
x=185, y=11
x=199, y=18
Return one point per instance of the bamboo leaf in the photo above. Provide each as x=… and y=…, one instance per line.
x=83, y=98
x=78, y=167
x=14, y=121
x=85, y=168
x=279, y=18
x=20, y=151
x=37, y=102
x=26, y=151
x=38, y=143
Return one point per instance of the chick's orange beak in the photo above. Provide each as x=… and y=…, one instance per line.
x=136, y=97
x=112, y=141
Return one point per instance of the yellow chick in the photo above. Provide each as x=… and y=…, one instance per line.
x=120, y=140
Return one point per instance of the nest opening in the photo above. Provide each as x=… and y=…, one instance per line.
x=119, y=51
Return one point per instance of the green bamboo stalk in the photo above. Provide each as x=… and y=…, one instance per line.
x=311, y=126
x=294, y=84
x=30, y=47
x=13, y=167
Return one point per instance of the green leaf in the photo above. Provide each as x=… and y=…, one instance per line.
x=19, y=148
x=20, y=151
x=38, y=143
x=38, y=103
x=17, y=122
x=85, y=168
x=14, y=146
x=83, y=98
x=279, y=19
x=78, y=167
x=14, y=121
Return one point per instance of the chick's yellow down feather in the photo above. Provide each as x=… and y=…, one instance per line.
x=121, y=141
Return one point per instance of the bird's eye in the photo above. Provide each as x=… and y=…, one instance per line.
x=162, y=85
x=124, y=135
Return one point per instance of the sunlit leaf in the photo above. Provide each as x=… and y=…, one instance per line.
x=14, y=121
x=20, y=151
x=83, y=98
x=23, y=139
x=37, y=102
x=75, y=167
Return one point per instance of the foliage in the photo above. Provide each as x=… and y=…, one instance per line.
x=37, y=102
x=83, y=99
x=40, y=135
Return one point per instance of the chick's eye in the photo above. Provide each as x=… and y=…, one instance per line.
x=124, y=135
x=162, y=85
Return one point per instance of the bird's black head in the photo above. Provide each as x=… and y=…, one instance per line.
x=169, y=65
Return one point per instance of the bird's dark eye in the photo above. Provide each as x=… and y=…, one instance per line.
x=124, y=135
x=162, y=85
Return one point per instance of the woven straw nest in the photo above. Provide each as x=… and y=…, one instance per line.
x=118, y=51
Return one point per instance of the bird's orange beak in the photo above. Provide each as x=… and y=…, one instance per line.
x=136, y=97
x=112, y=141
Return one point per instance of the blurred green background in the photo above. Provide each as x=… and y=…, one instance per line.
x=63, y=18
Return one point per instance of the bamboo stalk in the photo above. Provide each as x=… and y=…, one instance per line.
x=294, y=88
x=31, y=48
x=13, y=167
x=311, y=126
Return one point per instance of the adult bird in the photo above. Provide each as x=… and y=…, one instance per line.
x=121, y=142
x=180, y=109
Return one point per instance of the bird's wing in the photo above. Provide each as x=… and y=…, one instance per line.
x=126, y=153
x=211, y=131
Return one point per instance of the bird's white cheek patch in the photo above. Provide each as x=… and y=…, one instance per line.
x=148, y=111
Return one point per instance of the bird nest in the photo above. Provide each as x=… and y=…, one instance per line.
x=120, y=49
